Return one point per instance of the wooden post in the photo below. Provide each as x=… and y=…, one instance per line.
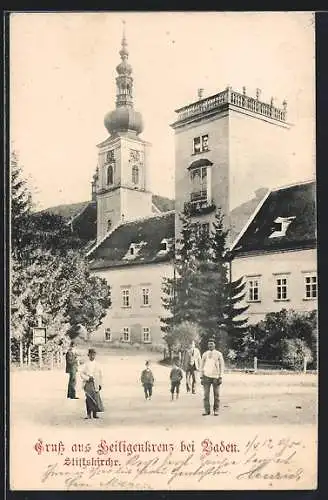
x=40, y=356
x=29, y=355
x=21, y=353
x=304, y=364
x=255, y=364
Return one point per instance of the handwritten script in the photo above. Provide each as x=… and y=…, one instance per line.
x=273, y=461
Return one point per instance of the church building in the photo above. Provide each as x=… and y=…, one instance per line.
x=230, y=149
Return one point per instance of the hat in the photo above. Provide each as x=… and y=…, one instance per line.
x=211, y=340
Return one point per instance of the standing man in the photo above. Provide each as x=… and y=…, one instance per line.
x=191, y=364
x=212, y=369
x=71, y=369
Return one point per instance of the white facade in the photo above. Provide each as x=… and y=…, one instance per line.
x=278, y=280
x=136, y=293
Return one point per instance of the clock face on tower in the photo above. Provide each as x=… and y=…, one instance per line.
x=136, y=156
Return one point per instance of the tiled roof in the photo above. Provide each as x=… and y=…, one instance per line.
x=239, y=216
x=149, y=232
x=83, y=216
x=296, y=205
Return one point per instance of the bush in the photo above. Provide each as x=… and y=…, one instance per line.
x=293, y=352
x=267, y=339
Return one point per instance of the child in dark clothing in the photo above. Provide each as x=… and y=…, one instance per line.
x=147, y=380
x=176, y=376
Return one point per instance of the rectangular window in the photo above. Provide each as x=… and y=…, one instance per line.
x=145, y=296
x=126, y=334
x=110, y=157
x=108, y=335
x=253, y=289
x=125, y=297
x=282, y=288
x=311, y=286
x=146, y=337
x=196, y=145
x=205, y=142
x=200, y=144
x=198, y=177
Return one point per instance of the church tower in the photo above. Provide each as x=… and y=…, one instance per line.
x=230, y=148
x=121, y=183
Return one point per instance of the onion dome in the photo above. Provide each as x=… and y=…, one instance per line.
x=124, y=118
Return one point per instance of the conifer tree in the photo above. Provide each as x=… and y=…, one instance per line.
x=204, y=291
x=179, y=296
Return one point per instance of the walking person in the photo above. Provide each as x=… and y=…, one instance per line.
x=71, y=368
x=212, y=369
x=176, y=375
x=191, y=364
x=147, y=380
x=91, y=375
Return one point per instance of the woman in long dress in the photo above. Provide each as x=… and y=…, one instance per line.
x=91, y=375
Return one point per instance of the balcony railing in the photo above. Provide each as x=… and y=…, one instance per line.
x=199, y=207
x=229, y=96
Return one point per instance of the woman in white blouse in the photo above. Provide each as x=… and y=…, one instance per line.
x=91, y=375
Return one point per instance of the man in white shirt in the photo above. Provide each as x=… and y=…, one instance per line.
x=91, y=375
x=212, y=369
x=191, y=364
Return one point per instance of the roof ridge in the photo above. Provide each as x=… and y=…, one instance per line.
x=300, y=183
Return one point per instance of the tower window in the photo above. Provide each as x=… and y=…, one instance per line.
x=135, y=174
x=110, y=156
x=109, y=224
x=110, y=175
x=200, y=144
x=198, y=177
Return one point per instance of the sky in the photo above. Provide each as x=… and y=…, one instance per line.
x=62, y=83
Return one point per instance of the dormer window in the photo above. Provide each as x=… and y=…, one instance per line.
x=133, y=250
x=165, y=245
x=281, y=225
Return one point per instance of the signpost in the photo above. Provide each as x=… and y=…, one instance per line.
x=39, y=332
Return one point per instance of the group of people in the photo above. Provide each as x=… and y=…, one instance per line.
x=210, y=366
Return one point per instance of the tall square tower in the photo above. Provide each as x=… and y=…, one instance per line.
x=227, y=147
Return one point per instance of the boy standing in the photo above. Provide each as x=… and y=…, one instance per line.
x=176, y=376
x=147, y=380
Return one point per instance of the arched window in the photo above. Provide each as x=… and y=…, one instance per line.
x=135, y=174
x=109, y=224
x=110, y=175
